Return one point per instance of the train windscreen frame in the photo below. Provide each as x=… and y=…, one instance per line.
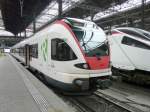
x=90, y=42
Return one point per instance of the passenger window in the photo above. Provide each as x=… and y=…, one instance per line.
x=17, y=50
x=131, y=42
x=61, y=51
x=34, y=50
x=21, y=51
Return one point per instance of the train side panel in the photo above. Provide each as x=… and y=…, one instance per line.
x=119, y=58
x=139, y=57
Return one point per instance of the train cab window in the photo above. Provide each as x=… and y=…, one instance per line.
x=61, y=51
x=74, y=23
x=34, y=50
x=78, y=33
x=132, y=42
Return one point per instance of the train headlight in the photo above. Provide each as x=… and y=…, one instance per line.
x=82, y=65
x=86, y=66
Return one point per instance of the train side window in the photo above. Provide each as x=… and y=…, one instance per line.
x=132, y=42
x=61, y=51
x=21, y=51
x=34, y=50
x=17, y=50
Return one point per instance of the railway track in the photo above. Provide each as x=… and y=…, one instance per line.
x=99, y=102
x=95, y=103
x=122, y=104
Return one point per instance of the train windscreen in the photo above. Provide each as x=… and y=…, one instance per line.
x=73, y=22
x=92, y=41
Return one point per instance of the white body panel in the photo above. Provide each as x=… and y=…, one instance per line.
x=119, y=58
x=128, y=57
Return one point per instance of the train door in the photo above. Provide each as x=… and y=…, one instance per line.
x=27, y=55
x=53, y=51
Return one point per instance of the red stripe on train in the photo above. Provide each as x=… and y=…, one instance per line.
x=98, y=62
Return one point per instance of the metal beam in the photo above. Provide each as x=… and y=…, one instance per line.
x=11, y=37
x=143, y=13
x=34, y=24
x=121, y=16
x=25, y=33
x=59, y=8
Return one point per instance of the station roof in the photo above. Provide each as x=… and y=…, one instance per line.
x=128, y=14
x=47, y=11
x=90, y=7
x=18, y=14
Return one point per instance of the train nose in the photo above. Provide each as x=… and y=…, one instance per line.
x=103, y=83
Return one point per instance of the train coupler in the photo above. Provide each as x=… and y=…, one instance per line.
x=82, y=83
x=103, y=83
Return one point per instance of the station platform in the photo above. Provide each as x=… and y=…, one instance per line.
x=20, y=91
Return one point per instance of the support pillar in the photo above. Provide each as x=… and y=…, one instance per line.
x=143, y=14
x=59, y=9
x=92, y=17
x=131, y=22
x=34, y=26
x=25, y=34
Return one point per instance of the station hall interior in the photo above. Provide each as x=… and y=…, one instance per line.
x=74, y=55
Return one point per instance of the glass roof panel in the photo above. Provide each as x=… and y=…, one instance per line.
x=51, y=10
x=120, y=8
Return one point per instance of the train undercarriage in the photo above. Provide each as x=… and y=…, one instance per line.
x=136, y=76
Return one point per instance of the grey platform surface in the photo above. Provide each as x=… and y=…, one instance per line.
x=15, y=95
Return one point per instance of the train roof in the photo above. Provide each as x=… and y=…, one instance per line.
x=140, y=33
x=32, y=38
x=79, y=20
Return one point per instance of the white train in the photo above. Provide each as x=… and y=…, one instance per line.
x=73, y=55
x=130, y=53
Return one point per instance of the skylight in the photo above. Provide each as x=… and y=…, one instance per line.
x=52, y=10
x=119, y=8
